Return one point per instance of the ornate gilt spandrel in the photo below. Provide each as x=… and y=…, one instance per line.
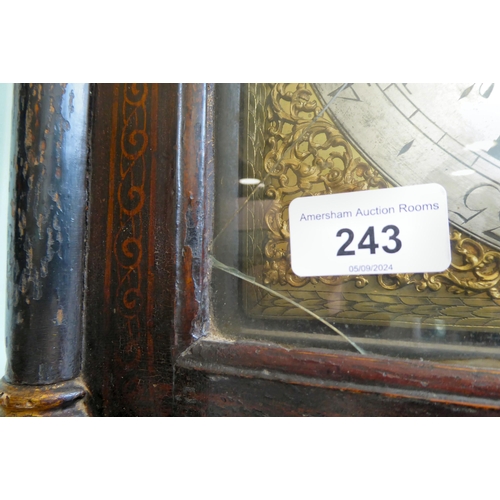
x=297, y=151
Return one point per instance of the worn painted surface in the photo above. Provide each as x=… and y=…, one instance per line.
x=48, y=203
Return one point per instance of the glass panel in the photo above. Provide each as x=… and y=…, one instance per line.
x=279, y=142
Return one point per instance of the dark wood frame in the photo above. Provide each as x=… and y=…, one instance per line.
x=431, y=387
x=148, y=349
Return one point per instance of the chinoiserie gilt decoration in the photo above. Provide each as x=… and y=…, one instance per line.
x=299, y=152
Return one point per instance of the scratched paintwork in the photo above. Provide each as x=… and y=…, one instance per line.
x=48, y=200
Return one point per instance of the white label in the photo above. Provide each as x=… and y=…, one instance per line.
x=384, y=231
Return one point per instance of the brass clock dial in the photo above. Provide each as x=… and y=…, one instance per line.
x=426, y=132
x=375, y=136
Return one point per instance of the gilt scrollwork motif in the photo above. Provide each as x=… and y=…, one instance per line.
x=477, y=269
x=128, y=242
x=308, y=156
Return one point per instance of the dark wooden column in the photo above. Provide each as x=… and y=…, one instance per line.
x=46, y=263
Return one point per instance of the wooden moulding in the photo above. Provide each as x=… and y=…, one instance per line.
x=410, y=379
x=149, y=223
x=243, y=394
x=194, y=193
x=63, y=399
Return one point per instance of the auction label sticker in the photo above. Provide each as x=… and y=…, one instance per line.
x=383, y=231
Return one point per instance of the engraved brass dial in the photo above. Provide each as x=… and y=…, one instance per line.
x=299, y=152
x=423, y=133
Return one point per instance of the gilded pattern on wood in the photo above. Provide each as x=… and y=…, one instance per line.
x=128, y=276
x=127, y=248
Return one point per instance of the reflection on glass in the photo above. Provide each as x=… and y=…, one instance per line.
x=297, y=140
